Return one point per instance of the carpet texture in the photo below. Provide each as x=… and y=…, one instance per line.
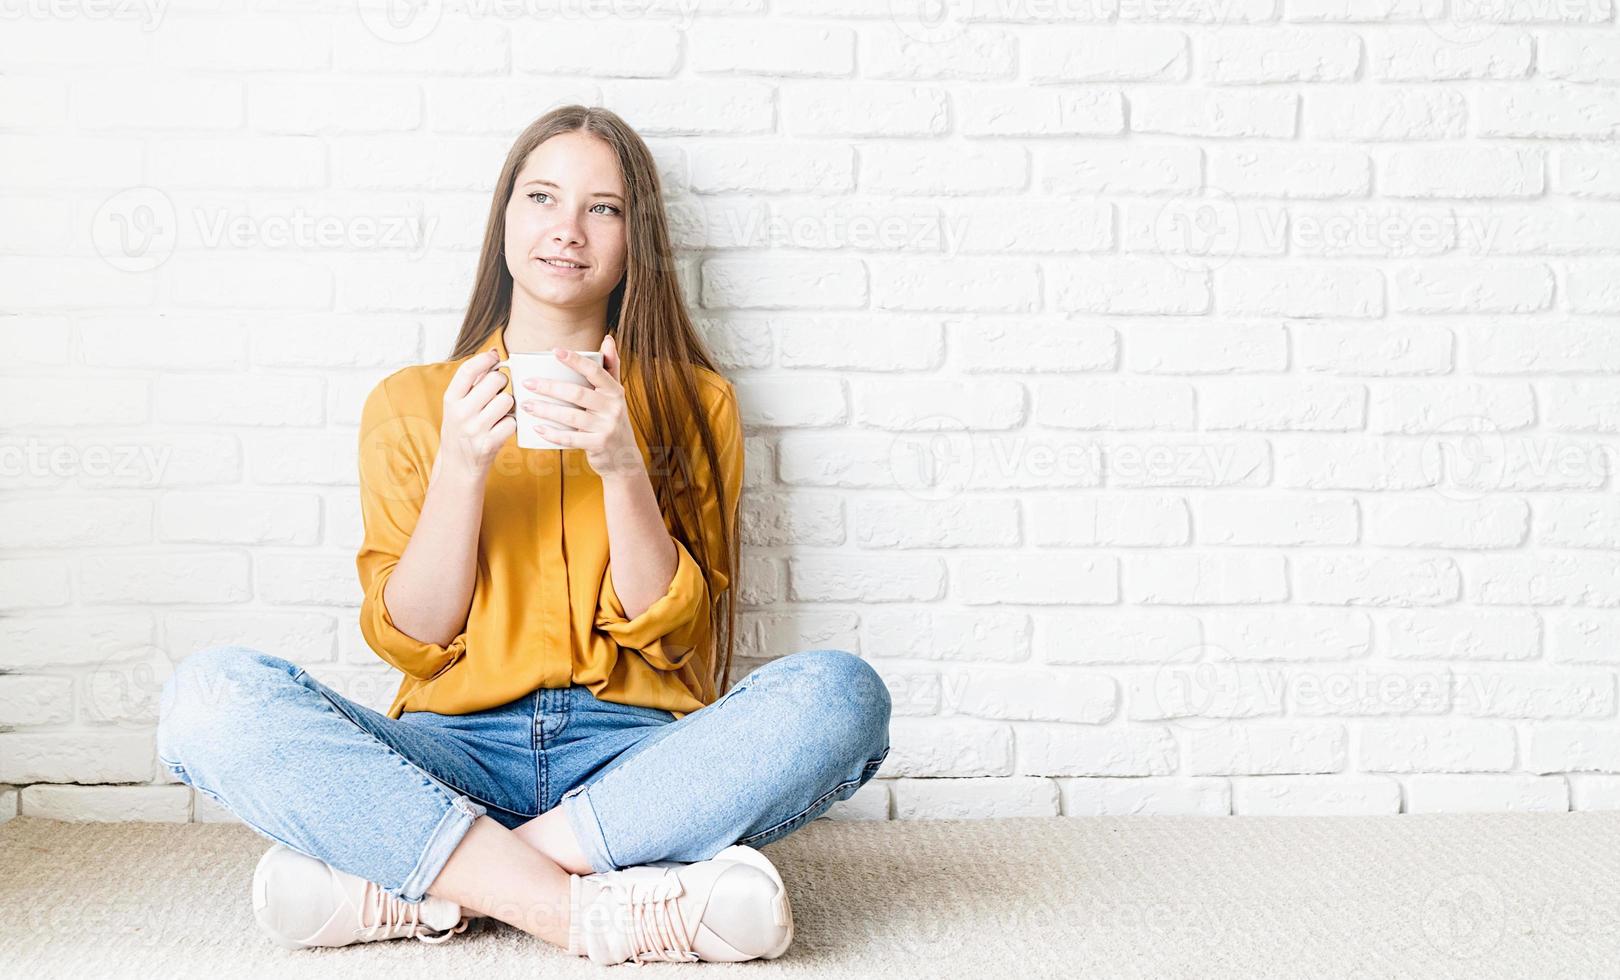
x=1415, y=895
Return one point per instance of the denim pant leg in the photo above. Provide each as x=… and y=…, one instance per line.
x=775, y=752
x=314, y=771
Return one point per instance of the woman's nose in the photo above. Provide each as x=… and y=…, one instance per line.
x=567, y=230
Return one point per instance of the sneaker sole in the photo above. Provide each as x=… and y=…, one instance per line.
x=782, y=907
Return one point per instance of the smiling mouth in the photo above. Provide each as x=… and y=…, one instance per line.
x=559, y=264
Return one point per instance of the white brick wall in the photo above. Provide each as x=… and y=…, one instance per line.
x=1190, y=408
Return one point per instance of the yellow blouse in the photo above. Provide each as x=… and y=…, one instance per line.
x=543, y=611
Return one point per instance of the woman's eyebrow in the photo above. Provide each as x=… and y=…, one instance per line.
x=549, y=183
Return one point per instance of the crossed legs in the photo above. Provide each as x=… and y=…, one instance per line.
x=821, y=717
x=773, y=753
x=518, y=876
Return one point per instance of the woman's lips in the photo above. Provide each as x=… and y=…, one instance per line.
x=562, y=269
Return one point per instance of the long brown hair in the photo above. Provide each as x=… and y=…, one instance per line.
x=654, y=335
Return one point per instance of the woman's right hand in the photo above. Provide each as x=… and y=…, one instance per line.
x=476, y=424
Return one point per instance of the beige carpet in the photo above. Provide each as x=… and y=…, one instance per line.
x=1416, y=895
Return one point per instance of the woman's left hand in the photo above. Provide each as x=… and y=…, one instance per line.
x=597, y=410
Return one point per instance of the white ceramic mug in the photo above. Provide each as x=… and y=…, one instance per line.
x=540, y=364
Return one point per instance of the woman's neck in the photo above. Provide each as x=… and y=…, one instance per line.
x=542, y=328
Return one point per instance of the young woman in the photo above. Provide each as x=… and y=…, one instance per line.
x=564, y=753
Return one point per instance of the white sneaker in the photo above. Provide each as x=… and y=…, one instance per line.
x=729, y=908
x=300, y=901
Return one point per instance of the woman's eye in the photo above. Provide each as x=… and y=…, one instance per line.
x=610, y=208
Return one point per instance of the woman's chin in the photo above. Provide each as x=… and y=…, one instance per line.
x=551, y=292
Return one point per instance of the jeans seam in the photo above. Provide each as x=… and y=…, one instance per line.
x=564, y=699
x=538, y=742
x=461, y=811
x=534, y=748
x=226, y=806
x=409, y=761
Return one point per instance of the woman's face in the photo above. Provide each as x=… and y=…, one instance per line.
x=568, y=202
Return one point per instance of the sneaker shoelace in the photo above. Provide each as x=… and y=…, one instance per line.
x=380, y=910
x=658, y=932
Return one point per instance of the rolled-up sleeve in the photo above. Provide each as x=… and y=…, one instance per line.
x=664, y=632
x=676, y=626
x=392, y=489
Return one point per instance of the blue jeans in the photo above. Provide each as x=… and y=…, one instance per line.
x=389, y=799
